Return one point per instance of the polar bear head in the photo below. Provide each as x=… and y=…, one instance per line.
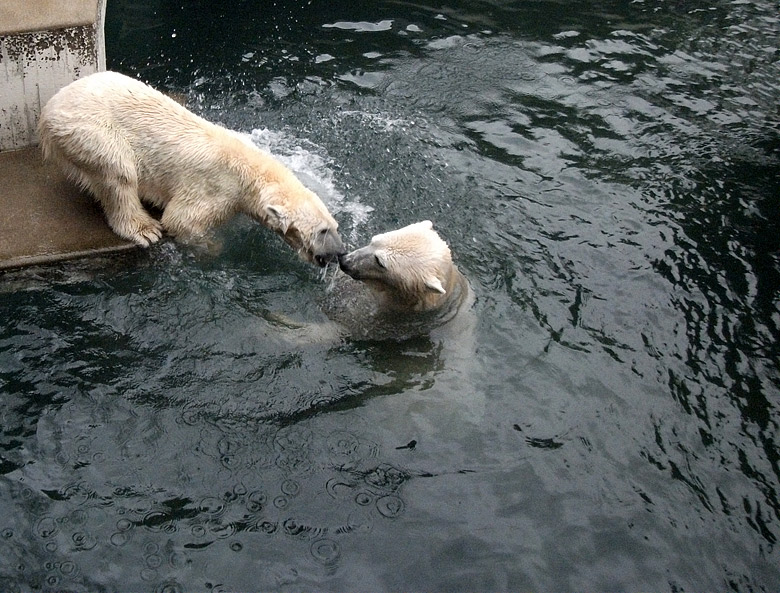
x=277, y=199
x=300, y=217
x=306, y=225
x=411, y=268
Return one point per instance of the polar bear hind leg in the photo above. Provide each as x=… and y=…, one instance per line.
x=102, y=163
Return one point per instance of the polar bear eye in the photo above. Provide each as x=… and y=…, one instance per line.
x=380, y=261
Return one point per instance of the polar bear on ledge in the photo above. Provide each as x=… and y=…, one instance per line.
x=125, y=142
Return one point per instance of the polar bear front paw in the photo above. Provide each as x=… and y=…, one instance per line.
x=143, y=232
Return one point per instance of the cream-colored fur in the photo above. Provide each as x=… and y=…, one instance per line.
x=409, y=269
x=404, y=284
x=409, y=292
x=418, y=292
x=125, y=142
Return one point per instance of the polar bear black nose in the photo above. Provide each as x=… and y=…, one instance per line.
x=327, y=247
x=346, y=263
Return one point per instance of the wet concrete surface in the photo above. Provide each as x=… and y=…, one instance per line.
x=44, y=217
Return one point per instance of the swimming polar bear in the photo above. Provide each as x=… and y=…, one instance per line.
x=412, y=290
x=125, y=142
x=409, y=269
x=408, y=286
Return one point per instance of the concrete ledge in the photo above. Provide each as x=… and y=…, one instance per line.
x=42, y=15
x=44, y=45
x=45, y=218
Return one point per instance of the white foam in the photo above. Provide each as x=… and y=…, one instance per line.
x=361, y=26
x=447, y=43
x=315, y=170
x=380, y=121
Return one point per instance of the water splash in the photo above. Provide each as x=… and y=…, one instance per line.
x=328, y=276
x=316, y=170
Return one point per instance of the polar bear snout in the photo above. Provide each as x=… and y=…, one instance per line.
x=327, y=247
x=354, y=263
x=345, y=263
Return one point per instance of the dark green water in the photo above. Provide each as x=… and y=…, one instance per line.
x=608, y=177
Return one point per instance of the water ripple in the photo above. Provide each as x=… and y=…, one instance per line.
x=607, y=177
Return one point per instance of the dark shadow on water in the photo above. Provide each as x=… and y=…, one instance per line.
x=398, y=367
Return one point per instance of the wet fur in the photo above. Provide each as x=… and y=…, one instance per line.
x=403, y=284
x=408, y=269
x=125, y=142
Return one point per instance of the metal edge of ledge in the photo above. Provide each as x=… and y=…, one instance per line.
x=24, y=261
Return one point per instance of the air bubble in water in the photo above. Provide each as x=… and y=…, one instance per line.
x=390, y=506
x=326, y=551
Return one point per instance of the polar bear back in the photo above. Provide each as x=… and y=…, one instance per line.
x=161, y=132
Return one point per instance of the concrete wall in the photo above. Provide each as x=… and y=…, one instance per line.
x=44, y=45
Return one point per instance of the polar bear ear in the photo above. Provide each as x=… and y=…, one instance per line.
x=277, y=217
x=434, y=284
